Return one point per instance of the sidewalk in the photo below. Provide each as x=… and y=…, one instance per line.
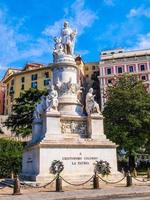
x=90, y=194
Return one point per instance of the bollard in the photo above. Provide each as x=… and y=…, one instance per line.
x=122, y=171
x=12, y=175
x=129, y=179
x=134, y=172
x=95, y=181
x=16, y=190
x=148, y=173
x=58, y=184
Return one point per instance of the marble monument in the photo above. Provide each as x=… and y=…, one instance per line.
x=60, y=129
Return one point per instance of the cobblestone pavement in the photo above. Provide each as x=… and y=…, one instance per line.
x=142, y=192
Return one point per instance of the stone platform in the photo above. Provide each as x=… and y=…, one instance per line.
x=78, y=156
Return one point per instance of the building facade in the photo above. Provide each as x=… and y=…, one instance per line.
x=33, y=75
x=2, y=98
x=115, y=63
x=91, y=78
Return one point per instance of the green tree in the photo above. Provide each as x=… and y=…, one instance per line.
x=20, y=119
x=10, y=156
x=127, y=115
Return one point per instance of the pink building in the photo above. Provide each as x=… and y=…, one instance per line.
x=117, y=62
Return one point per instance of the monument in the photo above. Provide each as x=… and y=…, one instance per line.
x=60, y=129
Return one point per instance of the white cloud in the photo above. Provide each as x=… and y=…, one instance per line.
x=14, y=45
x=141, y=11
x=78, y=16
x=82, y=52
x=143, y=42
x=109, y=2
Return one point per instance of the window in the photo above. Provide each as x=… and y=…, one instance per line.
x=86, y=68
x=22, y=87
x=34, y=85
x=11, y=90
x=93, y=67
x=109, y=81
x=131, y=69
x=22, y=79
x=46, y=82
x=143, y=78
x=46, y=74
x=12, y=82
x=109, y=71
x=142, y=67
x=119, y=70
x=34, y=77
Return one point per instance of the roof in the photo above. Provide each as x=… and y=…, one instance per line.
x=36, y=67
x=121, y=53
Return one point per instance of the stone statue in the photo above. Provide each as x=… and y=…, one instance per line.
x=58, y=48
x=40, y=108
x=52, y=99
x=91, y=105
x=68, y=38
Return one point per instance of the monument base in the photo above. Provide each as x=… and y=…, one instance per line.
x=77, y=155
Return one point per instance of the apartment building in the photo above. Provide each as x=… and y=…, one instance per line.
x=114, y=63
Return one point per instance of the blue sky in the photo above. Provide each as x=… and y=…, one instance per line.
x=28, y=26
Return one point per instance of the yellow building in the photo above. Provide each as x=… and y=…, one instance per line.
x=90, y=69
x=33, y=75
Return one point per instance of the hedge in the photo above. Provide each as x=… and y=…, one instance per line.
x=10, y=157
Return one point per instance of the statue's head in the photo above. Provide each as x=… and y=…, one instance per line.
x=52, y=87
x=57, y=40
x=91, y=90
x=66, y=24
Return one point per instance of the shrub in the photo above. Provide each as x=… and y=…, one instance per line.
x=10, y=157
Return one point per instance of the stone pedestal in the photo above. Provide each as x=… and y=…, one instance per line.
x=52, y=126
x=78, y=157
x=65, y=71
x=96, y=127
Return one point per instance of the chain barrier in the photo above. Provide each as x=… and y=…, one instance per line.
x=3, y=185
x=109, y=182
x=144, y=180
x=43, y=186
x=73, y=184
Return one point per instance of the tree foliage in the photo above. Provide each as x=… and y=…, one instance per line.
x=20, y=119
x=10, y=156
x=127, y=114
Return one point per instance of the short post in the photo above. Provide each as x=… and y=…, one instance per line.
x=12, y=175
x=16, y=190
x=134, y=172
x=58, y=183
x=95, y=181
x=122, y=171
x=128, y=179
x=148, y=173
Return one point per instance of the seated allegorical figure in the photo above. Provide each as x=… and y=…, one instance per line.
x=52, y=99
x=91, y=105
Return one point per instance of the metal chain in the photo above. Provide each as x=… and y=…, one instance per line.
x=109, y=182
x=144, y=180
x=73, y=184
x=5, y=185
x=43, y=186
